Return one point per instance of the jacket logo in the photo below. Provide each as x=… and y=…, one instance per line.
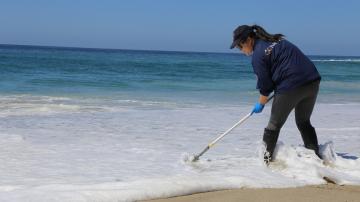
x=269, y=49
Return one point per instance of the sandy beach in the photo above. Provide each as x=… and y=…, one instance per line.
x=319, y=193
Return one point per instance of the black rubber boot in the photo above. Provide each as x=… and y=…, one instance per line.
x=309, y=137
x=270, y=138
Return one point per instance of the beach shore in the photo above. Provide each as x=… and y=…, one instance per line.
x=318, y=193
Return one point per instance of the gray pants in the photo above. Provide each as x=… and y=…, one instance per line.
x=302, y=99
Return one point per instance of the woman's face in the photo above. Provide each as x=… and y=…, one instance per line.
x=247, y=46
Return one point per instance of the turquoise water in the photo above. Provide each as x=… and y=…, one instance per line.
x=154, y=75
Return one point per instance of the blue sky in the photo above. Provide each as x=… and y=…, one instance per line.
x=317, y=27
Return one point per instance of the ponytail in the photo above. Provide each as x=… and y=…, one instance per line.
x=242, y=32
x=264, y=35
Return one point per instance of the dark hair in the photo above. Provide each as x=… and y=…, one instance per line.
x=242, y=32
x=264, y=35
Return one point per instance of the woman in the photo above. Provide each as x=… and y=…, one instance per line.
x=281, y=67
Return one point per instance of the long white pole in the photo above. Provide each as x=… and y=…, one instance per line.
x=230, y=129
x=196, y=157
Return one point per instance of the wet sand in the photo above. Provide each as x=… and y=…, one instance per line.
x=319, y=193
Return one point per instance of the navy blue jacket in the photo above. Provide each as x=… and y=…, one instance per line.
x=281, y=66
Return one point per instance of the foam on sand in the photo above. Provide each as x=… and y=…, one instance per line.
x=128, y=154
x=294, y=166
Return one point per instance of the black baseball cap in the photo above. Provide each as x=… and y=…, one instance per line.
x=240, y=34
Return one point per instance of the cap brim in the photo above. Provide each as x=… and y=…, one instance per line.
x=234, y=43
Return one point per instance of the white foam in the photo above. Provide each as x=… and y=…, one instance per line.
x=294, y=166
x=336, y=60
x=22, y=105
x=129, y=153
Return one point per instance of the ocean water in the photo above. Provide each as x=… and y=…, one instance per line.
x=117, y=125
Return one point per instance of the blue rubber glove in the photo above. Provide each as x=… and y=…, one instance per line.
x=258, y=108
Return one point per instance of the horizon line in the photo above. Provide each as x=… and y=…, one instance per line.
x=145, y=50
